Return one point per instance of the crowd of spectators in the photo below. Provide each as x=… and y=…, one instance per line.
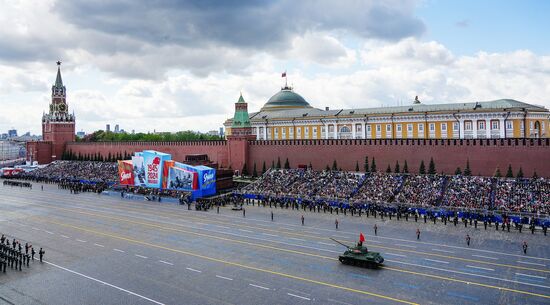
x=523, y=195
x=378, y=188
x=57, y=171
x=469, y=192
x=421, y=190
x=458, y=191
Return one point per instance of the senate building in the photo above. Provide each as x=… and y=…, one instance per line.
x=288, y=116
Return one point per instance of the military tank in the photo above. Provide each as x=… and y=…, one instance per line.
x=360, y=256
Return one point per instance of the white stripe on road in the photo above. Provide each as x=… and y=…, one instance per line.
x=529, y=263
x=247, y=231
x=483, y=256
x=400, y=255
x=165, y=262
x=445, y=251
x=267, y=234
x=80, y=240
x=298, y=296
x=194, y=270
x=223, y=227
x=535, y=276
x=65, y=236
x=482, y=268
x=102, y=246
x=258, y=286
x=118, y=250
x=326, y=244
x=403, y=245
x=436, y=261
x=104, y=283
x=223, y=277
x=140, y=256
x=297, y=239
x=49, y=232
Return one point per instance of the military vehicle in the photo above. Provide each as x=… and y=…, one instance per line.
x=360, y=256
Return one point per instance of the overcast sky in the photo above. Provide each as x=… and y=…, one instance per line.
x=179, y=65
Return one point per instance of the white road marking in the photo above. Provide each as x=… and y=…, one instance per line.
x=400, y=255
x=64, y=236
x=194, y=270
x=483, y=256
x=529, y=263
x=444, y=251
x=267, y=234
x=258, y=286
x=482, y=268
x=140, y=256
x=470, y=274
x=80, y=240
x=165, y=262
x=298, y=296
x=327, y=244
x=529, y=275
x=102, y=246
x=35, y=228
x=49, y=232
x=403, y=245
x=436, y=261
x=223, y=277
x=104, y=283
x=118, y=250
x=247, y=231
x=297, y=239
x=223, y=227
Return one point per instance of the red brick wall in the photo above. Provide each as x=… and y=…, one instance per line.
x=484, y=155
x=216, y=150
x=39, y=151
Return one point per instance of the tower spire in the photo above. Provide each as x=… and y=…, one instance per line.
x=58, y=80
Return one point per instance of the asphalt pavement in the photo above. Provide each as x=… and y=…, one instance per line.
x=108, y=250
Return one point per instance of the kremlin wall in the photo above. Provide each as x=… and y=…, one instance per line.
x=484, y=137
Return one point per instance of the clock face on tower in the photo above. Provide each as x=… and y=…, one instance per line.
x=62, y=107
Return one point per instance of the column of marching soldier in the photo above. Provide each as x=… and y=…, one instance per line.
x=12, y=256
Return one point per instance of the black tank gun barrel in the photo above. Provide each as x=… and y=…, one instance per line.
x=339, y=242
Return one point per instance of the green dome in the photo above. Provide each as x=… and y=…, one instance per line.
x=285, y=99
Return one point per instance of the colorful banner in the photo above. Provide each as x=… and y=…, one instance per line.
x=126, y=172
x=139, y=170
x=153, y=162
x=181, y=179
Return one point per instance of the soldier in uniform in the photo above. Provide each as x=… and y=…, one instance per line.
x=375, y=230
x=468, y=239
x=336, y=224
x=41, y=254
x=524, y=246
x=417, y=234
x=302, y=220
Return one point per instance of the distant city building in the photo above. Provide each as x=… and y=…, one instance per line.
x=12, y=133
x=4, y=136
x=108, y=127
x=213, y=133
x=221, y=134
x=117, y=128
x=80, y=134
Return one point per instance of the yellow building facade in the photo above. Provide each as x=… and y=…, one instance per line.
x=288, y=116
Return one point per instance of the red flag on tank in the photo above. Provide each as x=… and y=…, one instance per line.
x=361, y=237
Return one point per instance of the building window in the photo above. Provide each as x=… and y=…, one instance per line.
x=331, y=128
x=398, y=127
x=368, y=129
x=481, y=125
x=299, y=131
x=494, y=125
x=530, y=125
x=306, y=131
x=314, y=132
x=345, y=129
x=468, y=125
x=455, y=126
x=378, y=128
x=432, y=127
x=388, y=128
x=409, y=127
x=509, y=125
x=276, y=132
x=443, y=126
x=291, y=132
x=420, y=127
x=358, y=128
x=323, y=130
x=283, y=131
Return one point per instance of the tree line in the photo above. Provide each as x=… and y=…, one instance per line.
x=109, y=136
